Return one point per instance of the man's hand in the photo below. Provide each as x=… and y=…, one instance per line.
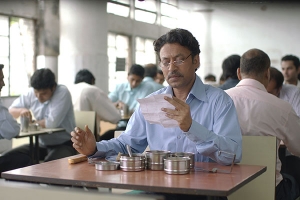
x=181, y=113
x=83, y=141
x=26, y=113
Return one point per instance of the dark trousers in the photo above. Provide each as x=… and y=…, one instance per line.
x=20, y=156
x=287, y=189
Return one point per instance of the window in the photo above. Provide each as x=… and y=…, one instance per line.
x=145, y=11
x=118, y=59
x=144, y=53
x=17, y=41
x=119, y=7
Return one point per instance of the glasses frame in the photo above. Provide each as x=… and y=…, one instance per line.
x=177, y=63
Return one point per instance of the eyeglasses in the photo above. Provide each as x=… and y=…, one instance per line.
x=175, y=62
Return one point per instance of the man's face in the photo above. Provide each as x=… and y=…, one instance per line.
x=1, y=80
x=289, y=70
x=44, y=95
x=183, y=76
x=160, y=78
x=134, y=80
x=272, y=88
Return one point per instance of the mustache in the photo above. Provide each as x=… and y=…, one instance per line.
x=174, y=73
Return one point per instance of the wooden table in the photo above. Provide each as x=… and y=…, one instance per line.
x=60, y=172
x=34, y=150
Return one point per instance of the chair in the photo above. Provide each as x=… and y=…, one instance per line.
x=83, y=118
x=259, y=150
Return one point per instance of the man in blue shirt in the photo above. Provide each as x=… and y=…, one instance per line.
x=229, y=67
x=51, y=106
x=150, y=74
x=207, y=120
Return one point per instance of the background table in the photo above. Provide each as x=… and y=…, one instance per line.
x=34, y=150
x=60, y=172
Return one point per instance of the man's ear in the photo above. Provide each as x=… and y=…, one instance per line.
x=196, y=62
x=238, y=72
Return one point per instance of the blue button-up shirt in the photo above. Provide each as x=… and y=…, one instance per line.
x=214, y=128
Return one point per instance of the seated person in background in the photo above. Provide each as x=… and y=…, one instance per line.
x=150, y=74
x=210, y=79
x=9, y=128
x=87, y=97
x=229, y=67
x=221, y=79
x=290, y=69
x=287, y=92
x=128, y=93
x=51, y=105
x=261, y=113
x=206, y=116
x=160, y=77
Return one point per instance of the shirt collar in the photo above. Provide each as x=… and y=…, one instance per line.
x=252, y=83
x=198, y=90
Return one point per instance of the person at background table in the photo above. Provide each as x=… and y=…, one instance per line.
x=229, y=67
x=127, y=93
x=210, y=79
x=207, y=119
x=150, y=74
x=160, y=77
x=290, y=69
x=287, y=92
x=9, y=128
x=51, y=106
x=87, y=97
x=261, y=113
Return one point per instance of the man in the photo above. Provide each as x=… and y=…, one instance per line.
x=287, y=92
x=51, y=106
x=87, y=97
x=160, y=77
x=150, y=74
x=261, y=113
x=290, y=69
x=206, y=116
x=128, y=93
x=229, y=67
x=9, y=128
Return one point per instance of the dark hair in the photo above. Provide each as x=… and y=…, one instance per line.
x=43, y=79
x=160, y=72
x=254, y=62
x=137, y=70
x=1, y=66
x=150, y=70
x=293, y=58
x=84, y=75
x=210, y=77
x=277, y=76
x=230, y=66
x=180, y=36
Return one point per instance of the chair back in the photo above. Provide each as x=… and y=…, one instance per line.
x=83, y=118
x=259, y=150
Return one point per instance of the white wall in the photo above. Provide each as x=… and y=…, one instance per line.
x=236, y=28
x=19, y=8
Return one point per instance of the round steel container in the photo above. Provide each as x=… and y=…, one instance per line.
x=107, y=165
x=155, y=159
x=132, y=164
x=177, y=165
x=185, y=154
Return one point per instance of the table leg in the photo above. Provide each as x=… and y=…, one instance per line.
x=36, y=150
x=31, y=149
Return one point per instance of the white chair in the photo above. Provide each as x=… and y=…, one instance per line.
x=83, y=118
x=259, y=150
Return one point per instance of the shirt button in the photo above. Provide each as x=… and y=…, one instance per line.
x=178, y=137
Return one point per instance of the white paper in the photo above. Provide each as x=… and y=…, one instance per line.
x=151, y=109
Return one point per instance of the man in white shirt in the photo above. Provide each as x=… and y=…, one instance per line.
x=87, y=97
x=290, y=69
x=261, y=113
x=287, y=92
x=9, y=128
